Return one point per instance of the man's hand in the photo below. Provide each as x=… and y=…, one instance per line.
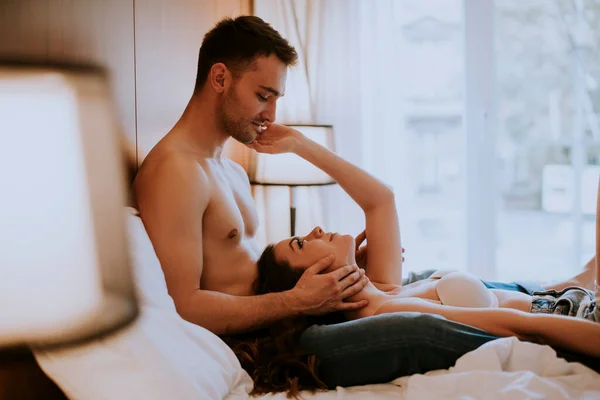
x=361, y=252
x=276, y=139
x=317, y=293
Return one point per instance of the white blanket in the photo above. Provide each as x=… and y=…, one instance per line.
x=506, y=369
x=502, y=369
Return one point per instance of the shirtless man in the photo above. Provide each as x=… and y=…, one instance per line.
x=197, y=208
x=196, y=205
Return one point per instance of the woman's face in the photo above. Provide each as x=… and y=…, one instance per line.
x=303, y=252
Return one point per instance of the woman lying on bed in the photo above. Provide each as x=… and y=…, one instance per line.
x=567, y=319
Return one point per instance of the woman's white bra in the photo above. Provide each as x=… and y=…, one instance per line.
x=461, y=289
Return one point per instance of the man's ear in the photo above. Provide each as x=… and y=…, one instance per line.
x=219, y=77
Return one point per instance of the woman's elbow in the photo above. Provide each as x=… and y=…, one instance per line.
x=388, y=197
x=382, y=198
x=388, y=193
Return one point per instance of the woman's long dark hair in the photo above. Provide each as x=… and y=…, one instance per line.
x=272, y=356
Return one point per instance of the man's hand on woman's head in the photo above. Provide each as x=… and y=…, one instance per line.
x=318, y=293
x=276, y=139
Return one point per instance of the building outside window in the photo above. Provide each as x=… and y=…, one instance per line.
x=545, y=142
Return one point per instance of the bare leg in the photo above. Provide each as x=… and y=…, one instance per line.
x=590, y=274
x=584, y=279
x=596, y=267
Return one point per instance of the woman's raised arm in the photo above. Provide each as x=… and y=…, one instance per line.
x=374, y=197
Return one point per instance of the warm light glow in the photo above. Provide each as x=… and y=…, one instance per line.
x=289, y=169
x=53, y=241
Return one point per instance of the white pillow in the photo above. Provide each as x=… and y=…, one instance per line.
x=159, y=356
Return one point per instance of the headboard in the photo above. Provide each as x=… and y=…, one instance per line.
x=21, y=378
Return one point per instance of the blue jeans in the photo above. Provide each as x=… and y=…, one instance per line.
x=381, y=348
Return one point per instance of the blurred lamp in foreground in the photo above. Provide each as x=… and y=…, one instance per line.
x=64, y=267
x=291, y=170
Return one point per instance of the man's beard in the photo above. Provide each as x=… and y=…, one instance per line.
x=238, y=128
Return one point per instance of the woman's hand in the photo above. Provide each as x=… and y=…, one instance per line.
x=277, y=139
x=361, y=252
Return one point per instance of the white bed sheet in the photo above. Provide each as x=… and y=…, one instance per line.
x=386, y=391
x=161, y=356
x=502, y=369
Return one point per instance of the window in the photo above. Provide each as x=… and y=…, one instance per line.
x=501, y=111
x=431, y=185
x=547, y=64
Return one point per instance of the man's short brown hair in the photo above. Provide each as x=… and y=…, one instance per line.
x=237, y=43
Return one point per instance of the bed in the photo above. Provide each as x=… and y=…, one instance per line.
x=161, y=356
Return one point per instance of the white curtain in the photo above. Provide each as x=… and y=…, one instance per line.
x=299, y=22
x=345, y=77
x=360, y=95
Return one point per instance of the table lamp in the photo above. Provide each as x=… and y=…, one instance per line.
x=64, y=265
x=291, y=170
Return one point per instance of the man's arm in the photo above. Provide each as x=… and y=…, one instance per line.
x=224, y=314
x=172, y=206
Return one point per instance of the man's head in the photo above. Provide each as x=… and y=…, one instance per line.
x=244, y=62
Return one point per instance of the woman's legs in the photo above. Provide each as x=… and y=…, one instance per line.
x=584, y=279
x=381, y=348
x=596, y=286
x=590, y=274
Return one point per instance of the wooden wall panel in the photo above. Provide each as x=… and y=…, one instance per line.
x=168, y=37
x=22, y=379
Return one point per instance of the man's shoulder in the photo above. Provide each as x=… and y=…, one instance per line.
x=170, y=167
x=170, y=159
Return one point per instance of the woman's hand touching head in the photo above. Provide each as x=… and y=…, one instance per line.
x=277, y=139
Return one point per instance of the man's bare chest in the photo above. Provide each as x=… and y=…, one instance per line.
x=231, y=213
x=227, y=212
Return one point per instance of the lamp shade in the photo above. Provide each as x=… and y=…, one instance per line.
x=64, y=267
x=289, y=169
